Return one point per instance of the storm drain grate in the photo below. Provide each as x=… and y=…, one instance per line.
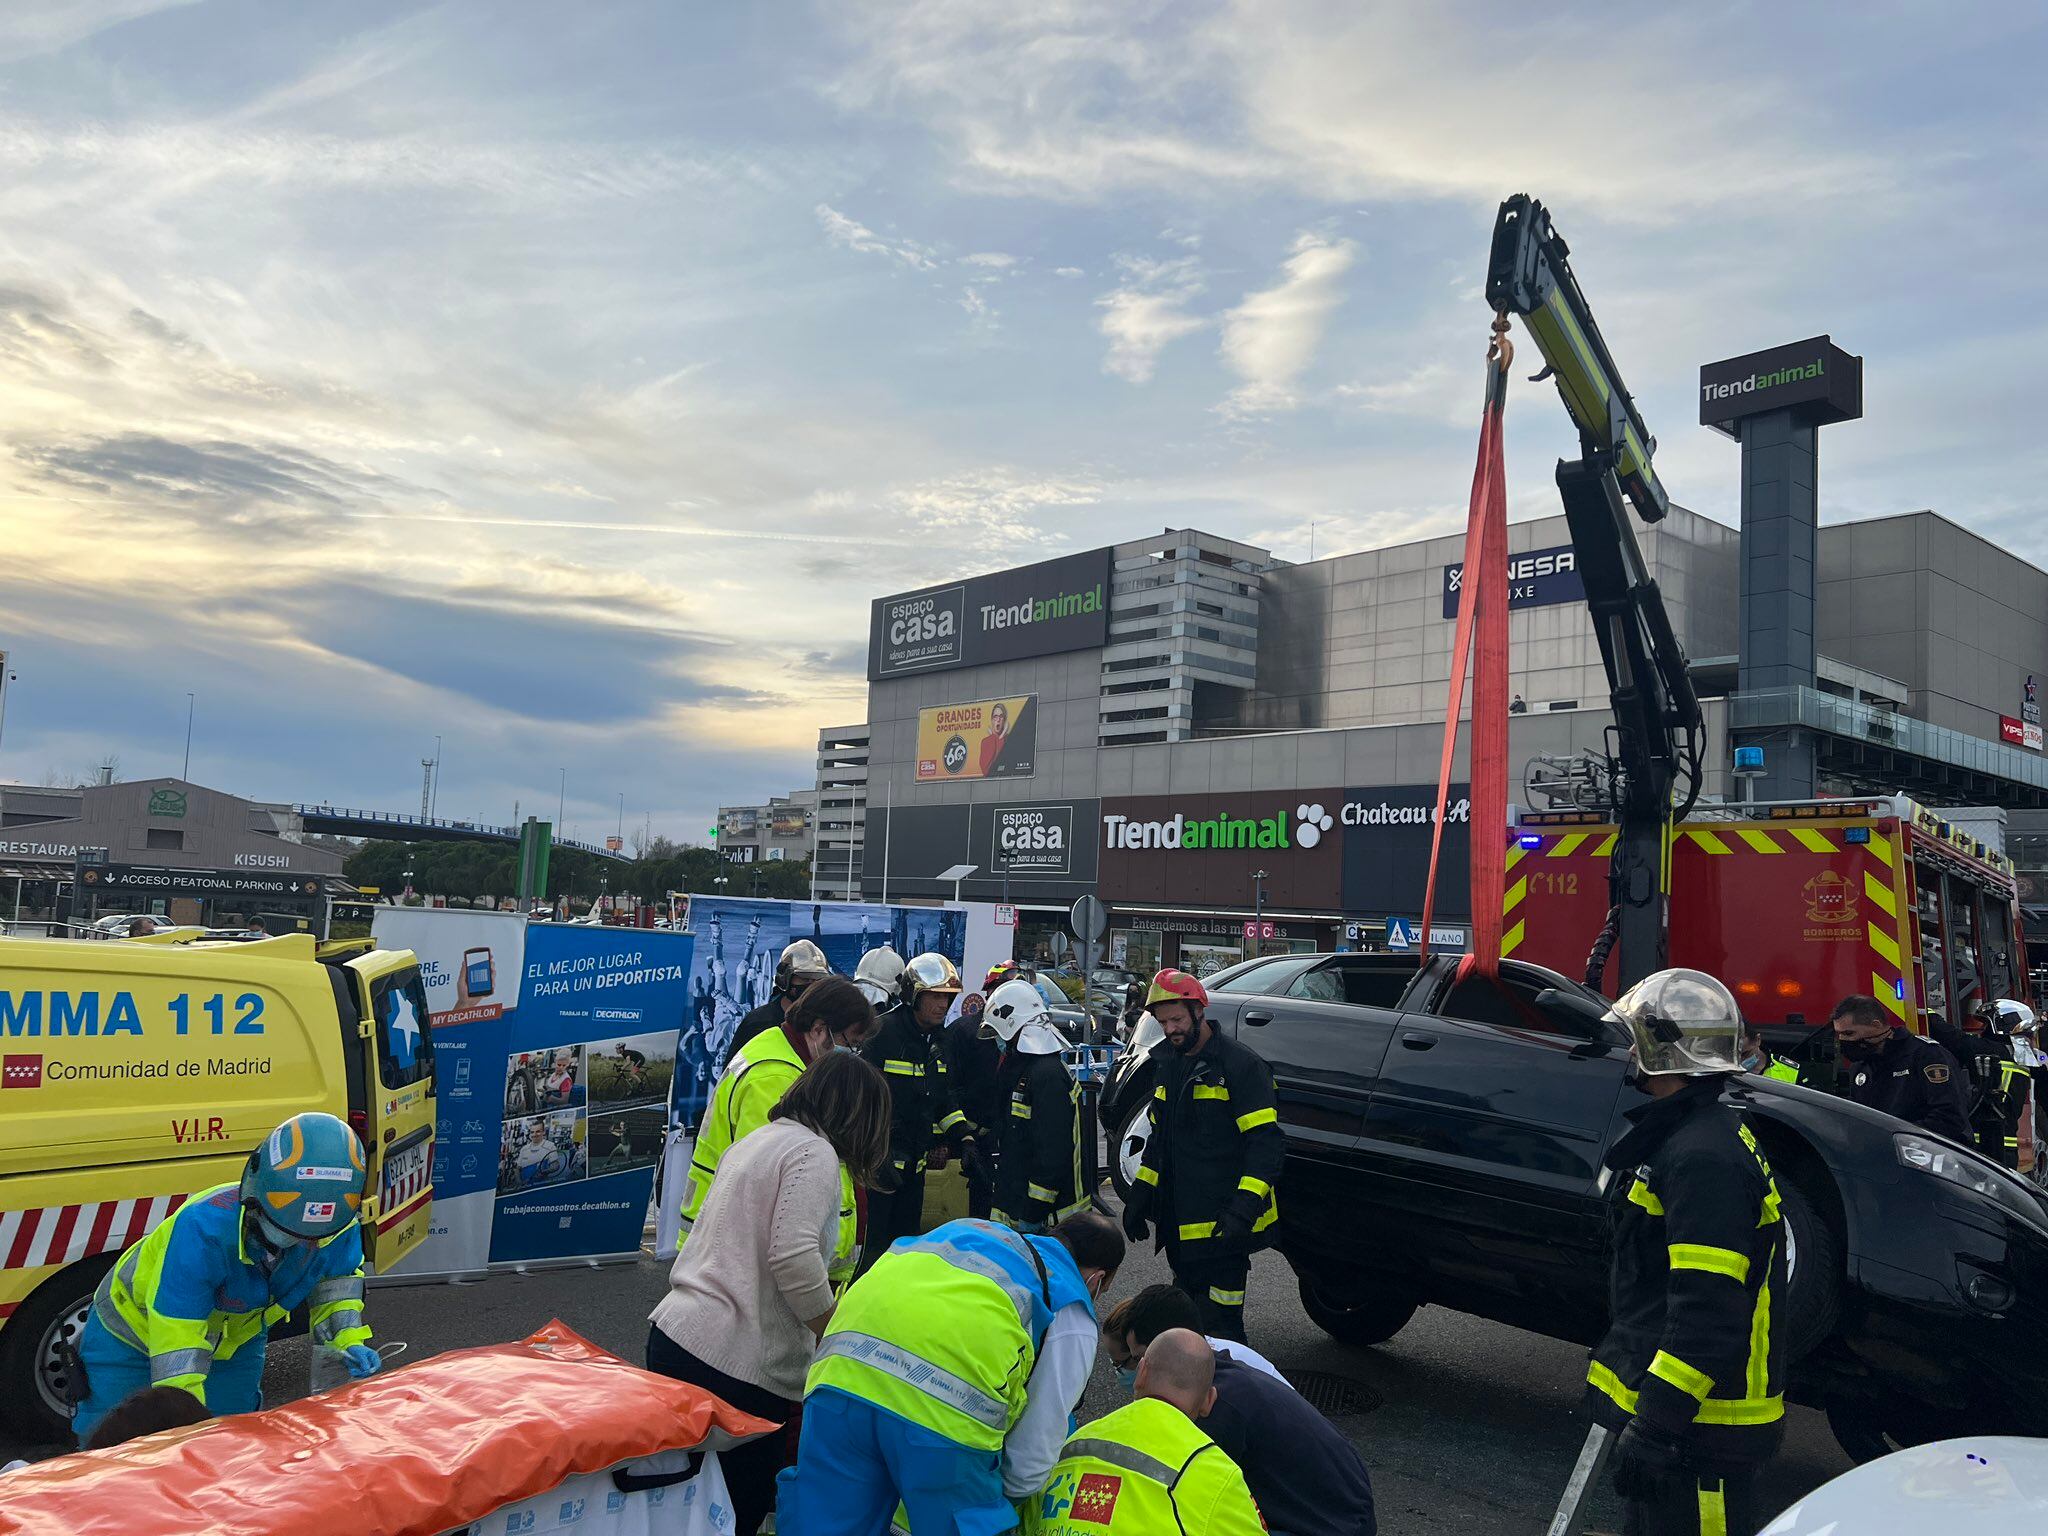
x=1335, y=1397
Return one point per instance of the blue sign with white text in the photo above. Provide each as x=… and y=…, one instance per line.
x=1537, y=578
x=590, y=1057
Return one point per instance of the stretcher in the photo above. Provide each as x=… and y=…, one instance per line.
x=504, y=1438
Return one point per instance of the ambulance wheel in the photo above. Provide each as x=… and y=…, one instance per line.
x=33, y=1386
x=1353, y=1309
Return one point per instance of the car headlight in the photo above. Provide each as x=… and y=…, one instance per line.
x=1970, y=1172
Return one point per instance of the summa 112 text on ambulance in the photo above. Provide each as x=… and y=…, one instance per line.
x=55, y=1014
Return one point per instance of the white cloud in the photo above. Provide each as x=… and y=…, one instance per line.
x=1068, y=272
x=1006, y=504
x=1147, y=313
x=972, y=301
x=996, y=259
x=855, y=236
x=1270, y=339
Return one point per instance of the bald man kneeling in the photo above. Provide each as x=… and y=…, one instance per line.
x=1146, y=1467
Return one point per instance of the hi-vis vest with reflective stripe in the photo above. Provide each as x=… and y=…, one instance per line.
x=759, y=1074
x=188, y=1294
x=1142, y=1470
x=945, y=1329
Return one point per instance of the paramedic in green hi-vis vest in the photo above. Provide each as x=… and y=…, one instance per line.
x=946, y=1379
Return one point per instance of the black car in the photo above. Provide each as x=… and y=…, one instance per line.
x=1444, y=1146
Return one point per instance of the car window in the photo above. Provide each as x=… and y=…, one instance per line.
x=1270, y=979
x=1509, y=1003
x=1376, y=986
x=1322, y=985
x=401, y=1010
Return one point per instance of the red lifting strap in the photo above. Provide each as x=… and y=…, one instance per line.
x=1482, y=615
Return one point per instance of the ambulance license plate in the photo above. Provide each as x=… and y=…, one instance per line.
x=406, y=1174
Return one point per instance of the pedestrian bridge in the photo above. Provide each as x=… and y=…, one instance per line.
x=342, y=821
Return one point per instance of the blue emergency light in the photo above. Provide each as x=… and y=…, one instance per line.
x=1856, y=834
x=1749, y=759
x=1530, y=840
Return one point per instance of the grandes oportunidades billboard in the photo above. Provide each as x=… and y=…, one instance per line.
x=987, y=739
x=1034, y=610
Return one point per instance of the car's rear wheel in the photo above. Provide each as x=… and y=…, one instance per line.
x=1353, y=1308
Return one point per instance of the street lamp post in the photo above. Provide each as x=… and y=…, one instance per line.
x=562, y=802
x=191, y=707
x=1258, y=911
x=434, y=802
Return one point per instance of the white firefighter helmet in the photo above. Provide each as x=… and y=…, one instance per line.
x=880, y=976
x=2016, y=1017
x=1683, y=1023
x=1018, y=1016
x=799, y=965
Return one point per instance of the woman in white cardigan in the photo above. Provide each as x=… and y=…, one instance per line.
x=750, y=1294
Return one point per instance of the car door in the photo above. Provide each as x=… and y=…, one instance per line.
x=1490, y=1118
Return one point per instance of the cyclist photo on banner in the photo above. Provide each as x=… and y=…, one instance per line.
x=541, y=1150
x=630, y=1069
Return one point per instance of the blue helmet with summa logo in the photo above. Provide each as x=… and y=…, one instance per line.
x=305, y=1179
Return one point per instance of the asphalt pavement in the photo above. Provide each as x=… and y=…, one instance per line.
x=1476, y=1430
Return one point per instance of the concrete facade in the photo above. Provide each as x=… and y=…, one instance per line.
x=784, y=828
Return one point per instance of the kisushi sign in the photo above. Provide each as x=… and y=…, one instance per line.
x=1537, y=578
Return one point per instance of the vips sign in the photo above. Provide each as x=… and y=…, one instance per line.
x=989, y=739
x=1537, y=578
x=1035, y=610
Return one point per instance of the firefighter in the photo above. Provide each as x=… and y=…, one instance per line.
x=946, y=1377
x=1997, y=1084
x=925, y=1124
x=1903, y=1074
x=800, y=964
x=1147, y=1467
x=1758, y=1057
x=1038, y=1163
x=973, y=1059
x=831, y=1013
x=1213, y=1156
x=191, y=1304
x=1690, y=1372
x=880, y=976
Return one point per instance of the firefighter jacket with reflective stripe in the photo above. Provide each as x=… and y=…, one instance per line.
x=755, y=1080
x=1144, y=1470
x=1038, y=1176
x=1213, y=1159
x=191, y=1292
x=945, y=1329
x=921, y=1108
x=1698, y=1284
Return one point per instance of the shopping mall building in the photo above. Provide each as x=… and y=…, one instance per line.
x=1197, y=732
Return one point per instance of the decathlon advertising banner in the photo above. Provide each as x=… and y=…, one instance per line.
x=988, y=739
x=471, y=963
x=587, y=1072
x=732, y=968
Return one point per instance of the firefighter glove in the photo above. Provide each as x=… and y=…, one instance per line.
x=974, y=1163
x=1647, y=1458
x=1135, y=1227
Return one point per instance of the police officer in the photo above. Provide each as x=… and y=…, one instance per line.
x=1147, y=1468
x=1038, y=1166
x=1690, y=1371
x=191, y=1304
x=946, y=1377
x=922, y=1114
x=1213, y=1157
x=800, y=964
x=1758, y=1057
x=831, y=1013
x=1891, y=1069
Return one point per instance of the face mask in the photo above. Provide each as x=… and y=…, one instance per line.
x=1861, y=1050
x=1127, y=1377
x=1752, y=1062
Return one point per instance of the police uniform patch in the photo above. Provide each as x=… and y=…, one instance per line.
x=1095, y=1497
x=1935, y=1072
x=1862, y=1078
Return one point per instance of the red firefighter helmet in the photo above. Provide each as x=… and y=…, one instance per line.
x=1177, y=987
x=1000, y=972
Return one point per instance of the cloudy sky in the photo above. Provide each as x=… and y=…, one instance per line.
x=564, y=380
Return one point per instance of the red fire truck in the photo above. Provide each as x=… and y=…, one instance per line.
x=1796, y=906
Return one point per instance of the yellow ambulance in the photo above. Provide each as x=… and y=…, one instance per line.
x=134, y=1075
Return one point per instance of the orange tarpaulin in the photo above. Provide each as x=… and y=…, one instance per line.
x=411, y=1452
